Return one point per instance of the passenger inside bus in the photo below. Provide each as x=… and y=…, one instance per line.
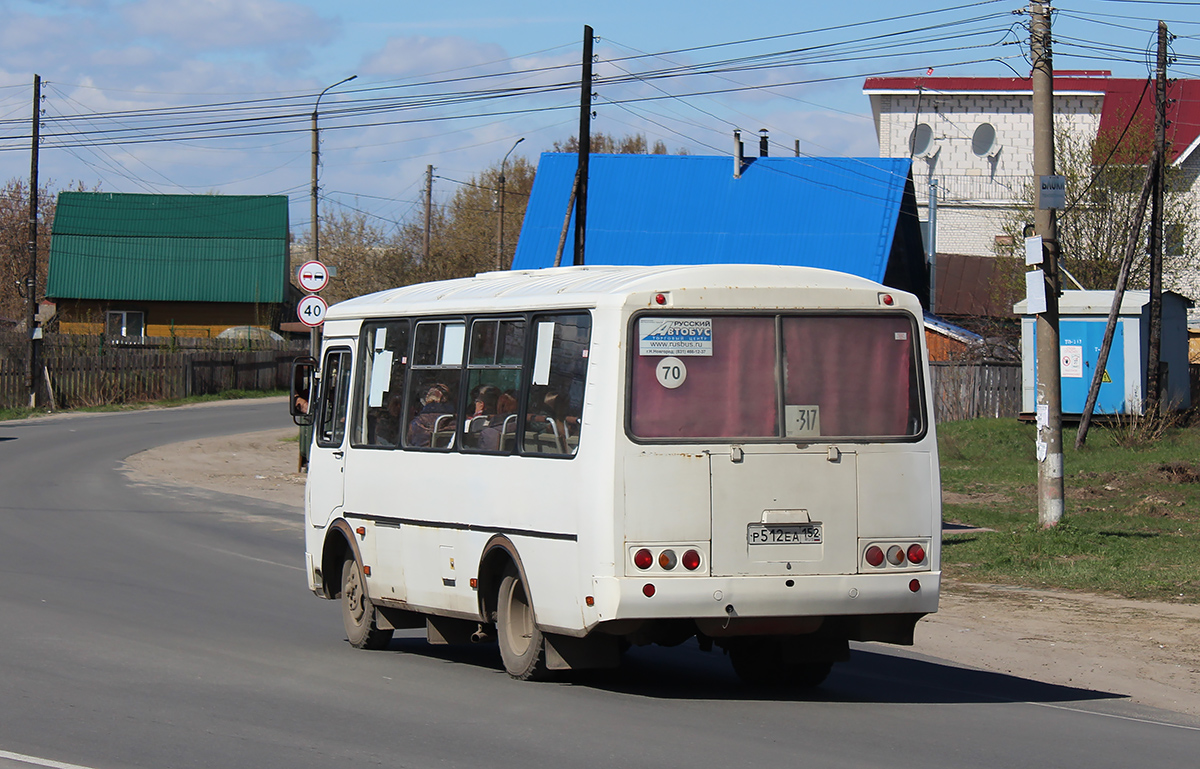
x=550, y=426
x=484, y=399
x=387, y=423
x=435, y=416
x=500, y=425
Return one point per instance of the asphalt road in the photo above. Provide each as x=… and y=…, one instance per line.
x=146, y=627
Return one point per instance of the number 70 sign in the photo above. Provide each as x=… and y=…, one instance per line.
x=311, y=310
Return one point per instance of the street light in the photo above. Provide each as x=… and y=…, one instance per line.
x=316, y=223
x=500, y=224
x=316, y=154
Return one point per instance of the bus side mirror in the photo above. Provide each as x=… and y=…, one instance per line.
x=301, y=396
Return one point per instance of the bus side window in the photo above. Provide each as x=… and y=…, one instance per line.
x=435, y=377
x=379, y=396
x=335, y=386
x=554, y=411
x=494, y=367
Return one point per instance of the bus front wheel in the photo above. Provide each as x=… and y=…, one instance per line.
x=358, y=613
x=522, y=645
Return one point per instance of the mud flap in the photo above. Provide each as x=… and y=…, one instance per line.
x=595, y=651
x=447, y=630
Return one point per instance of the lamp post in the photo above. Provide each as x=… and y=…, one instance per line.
x=500, y=224
x=316, y=223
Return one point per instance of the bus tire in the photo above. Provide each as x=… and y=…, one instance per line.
x=522, y=645
x=358, y=613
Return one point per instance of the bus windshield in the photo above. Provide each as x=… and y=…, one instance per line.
x=792, y=377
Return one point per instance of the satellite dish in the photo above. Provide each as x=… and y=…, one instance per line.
x=983, y=143
x=920, y=141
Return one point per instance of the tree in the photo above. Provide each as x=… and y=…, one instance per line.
x=1104, y=178
x=631, y=144
x=14, y=244
x=462, y=233
x=364, y=255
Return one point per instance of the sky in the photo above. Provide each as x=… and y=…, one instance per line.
x=200, y=96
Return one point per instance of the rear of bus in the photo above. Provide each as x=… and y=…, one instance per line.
x=779, y=490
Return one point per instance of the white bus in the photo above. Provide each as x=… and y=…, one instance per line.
x=573, y=460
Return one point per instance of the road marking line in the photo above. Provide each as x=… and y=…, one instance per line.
x=1117, y=716
x=252, y=558
x=35, y=761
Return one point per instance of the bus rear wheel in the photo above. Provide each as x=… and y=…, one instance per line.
x=522, y=645
x=358, y=613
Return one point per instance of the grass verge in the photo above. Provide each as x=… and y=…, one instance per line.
x=1132, y=513
x=26, y=413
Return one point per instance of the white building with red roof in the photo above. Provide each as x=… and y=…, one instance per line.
x=974, y=136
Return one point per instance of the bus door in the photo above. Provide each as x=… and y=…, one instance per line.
x=327, y=461
x=779, y=510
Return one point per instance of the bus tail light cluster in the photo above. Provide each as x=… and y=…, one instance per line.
x=895, y=554
x=668, y=560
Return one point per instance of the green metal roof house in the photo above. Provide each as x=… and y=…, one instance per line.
x=138, y=265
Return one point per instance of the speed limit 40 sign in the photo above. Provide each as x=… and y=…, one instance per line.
x=311, y=310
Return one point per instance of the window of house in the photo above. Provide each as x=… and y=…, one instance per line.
x=125, y=323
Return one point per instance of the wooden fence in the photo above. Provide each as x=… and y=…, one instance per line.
x=970, y=390
x=85, y=371
x=93, y=373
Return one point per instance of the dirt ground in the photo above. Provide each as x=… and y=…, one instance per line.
x=1146, y=651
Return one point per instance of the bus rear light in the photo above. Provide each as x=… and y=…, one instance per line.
x=667, y=560
x=874, y=555
x=886, y=300
x=691, y=560
x=916, y=554
x=643, y=559
x=648, y=590
x=895, y=555
x=914, y=585
x=660, y=299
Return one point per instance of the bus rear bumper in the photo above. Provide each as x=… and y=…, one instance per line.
x=814, y=596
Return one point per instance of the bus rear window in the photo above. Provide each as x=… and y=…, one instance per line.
x=792, y=377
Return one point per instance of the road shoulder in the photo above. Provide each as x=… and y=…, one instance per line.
x=1146, y=651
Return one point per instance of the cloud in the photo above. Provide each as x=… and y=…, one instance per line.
x=214, y=25
x=402, y=56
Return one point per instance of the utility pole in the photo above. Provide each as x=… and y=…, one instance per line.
x=1154, y=378
x=1139, y=215
x=1049, y=365
x=35, y=334
x=585, y=145
x=428, y=214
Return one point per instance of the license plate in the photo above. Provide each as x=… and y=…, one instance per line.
x=784, y=534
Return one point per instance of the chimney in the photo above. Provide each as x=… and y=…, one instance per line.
x=762, y=143
x=737, y=154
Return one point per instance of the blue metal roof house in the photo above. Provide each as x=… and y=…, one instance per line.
x=854, y=215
